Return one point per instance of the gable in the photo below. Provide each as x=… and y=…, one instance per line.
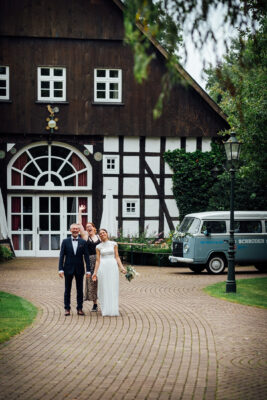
x=79, y=19
x=81, y=39
x=184, y=74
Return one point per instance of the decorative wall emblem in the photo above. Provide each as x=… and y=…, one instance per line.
x=98, y=156
x=51, y=120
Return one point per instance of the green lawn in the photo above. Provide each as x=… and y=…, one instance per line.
x=251, y=292
x=15, y=314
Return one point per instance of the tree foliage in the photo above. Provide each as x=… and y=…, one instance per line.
x=249, y=195
x=194, y=176
x=239, y=85
x=148, y=19
x=201, y=182
x=162, y=21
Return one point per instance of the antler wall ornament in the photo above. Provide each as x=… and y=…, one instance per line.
x=51, y=120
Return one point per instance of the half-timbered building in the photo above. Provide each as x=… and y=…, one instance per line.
x=76, y=126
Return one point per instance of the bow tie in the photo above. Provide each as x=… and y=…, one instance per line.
x=74, y=240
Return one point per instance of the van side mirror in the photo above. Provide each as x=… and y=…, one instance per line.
x=207, y=232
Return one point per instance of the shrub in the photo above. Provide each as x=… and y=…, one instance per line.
x=5, y=253
x=197, y=188
x=193, y=176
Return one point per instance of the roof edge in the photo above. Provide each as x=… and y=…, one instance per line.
x=187, y=77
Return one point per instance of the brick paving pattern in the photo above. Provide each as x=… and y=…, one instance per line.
x=171, y=341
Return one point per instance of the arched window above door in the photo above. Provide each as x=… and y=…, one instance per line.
x=49, y=167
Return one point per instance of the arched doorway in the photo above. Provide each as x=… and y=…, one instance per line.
x=46, y=185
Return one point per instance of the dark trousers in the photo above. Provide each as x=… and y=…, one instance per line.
x=79, y=289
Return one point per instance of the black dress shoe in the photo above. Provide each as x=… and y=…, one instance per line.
x=94, y=309
x=80, y=312
x=67, y=313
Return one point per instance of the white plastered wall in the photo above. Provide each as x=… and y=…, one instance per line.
x=131, y=144
x=111, y=144
x=191, y=145
x=131, y=186
x=131, y=165
x=173, y=143
x=151, y=228
x=154, y=163
x=150, y=187
x=152, y=145
x=206, y=144
x=130, y=228
x=111, y=183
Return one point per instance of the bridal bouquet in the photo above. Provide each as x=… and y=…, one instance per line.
x=130, y=273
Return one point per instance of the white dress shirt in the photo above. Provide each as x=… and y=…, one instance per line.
x=74, y=244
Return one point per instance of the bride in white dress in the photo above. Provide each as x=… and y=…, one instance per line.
x=107, y=274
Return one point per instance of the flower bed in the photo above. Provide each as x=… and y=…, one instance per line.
x=143, y=250
x=141, y=254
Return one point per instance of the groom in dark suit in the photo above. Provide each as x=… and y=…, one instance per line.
x=73, y=252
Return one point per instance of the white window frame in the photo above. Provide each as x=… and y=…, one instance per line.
x=5, y=77
x=131, y=213
x=88, y=169
x=36, y=232
x=107, y=161
x=52, y=79
x=107, y=81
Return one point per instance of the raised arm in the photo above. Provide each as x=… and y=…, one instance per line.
x=116, y=252
x=83, y=233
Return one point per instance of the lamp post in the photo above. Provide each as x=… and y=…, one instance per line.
x=232, y=149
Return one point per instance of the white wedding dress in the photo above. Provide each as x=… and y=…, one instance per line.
x=108, y=279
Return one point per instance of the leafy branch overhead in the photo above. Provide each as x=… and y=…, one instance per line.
x=144, y=22
x=239, y=86
x=162, y=22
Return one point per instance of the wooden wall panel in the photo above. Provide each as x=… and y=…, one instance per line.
x=185, y=114
x=63, y=33
x=81, y=19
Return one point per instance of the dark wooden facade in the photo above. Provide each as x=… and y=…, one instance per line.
x=80, y=36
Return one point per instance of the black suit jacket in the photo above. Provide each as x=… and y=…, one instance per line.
x=70, y=262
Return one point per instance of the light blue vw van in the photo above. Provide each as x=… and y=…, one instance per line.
x=202, y=240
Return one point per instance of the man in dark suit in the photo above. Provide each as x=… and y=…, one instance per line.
x=73, y=252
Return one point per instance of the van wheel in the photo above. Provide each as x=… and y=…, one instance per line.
x=261, y=267
x=197, y=268
x=216, y=264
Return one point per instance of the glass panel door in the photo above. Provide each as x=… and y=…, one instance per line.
x=21, y=223
x=73, y=204
x=38, y=224
x=49, y=225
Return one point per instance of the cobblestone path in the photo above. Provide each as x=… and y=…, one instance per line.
x=171, y=341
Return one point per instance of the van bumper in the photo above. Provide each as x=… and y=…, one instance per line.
x=174, y=259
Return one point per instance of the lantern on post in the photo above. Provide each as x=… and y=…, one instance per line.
x=232, y=150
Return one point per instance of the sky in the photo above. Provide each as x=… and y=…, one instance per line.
x=210, y=53
x=196, y=58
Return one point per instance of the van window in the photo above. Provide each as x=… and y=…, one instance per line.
x=214, y=226
x=189, y=225
x=247, y=227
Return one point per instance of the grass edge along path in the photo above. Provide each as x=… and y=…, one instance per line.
x=15, y=314
x=250, y=292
